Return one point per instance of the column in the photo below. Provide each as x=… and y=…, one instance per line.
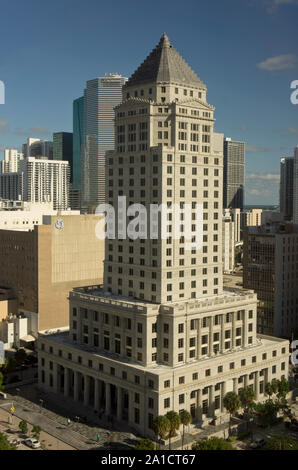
x=108, y=399
x=245, y=378
x=222, y=336
x=55, y=377
x=76, y=385
x=96, y=394
x=131, y=407
x=211, y=407
x=234, y=330
x=199, y=406
x=257, y=384
x=245, y=328
x=86, y=390
x=235, y=388
x=223, y=393
x=119, y=403
x=211, y=319
x=66, y=381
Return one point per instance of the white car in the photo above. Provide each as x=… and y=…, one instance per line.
x=34, y=443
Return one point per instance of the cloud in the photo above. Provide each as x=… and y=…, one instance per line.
x=3, y=126
x=293, y=130
x=37, y=131
x=254, y=148
x=262, y=176
x=261, y=188
x=272, y=6
x=279, y=62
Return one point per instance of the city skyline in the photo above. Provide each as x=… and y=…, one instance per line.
x=248, y=79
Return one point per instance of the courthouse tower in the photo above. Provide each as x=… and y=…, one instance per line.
x=162, y=334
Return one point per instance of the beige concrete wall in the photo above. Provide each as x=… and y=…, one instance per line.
x=67, y=258
x=6, y=307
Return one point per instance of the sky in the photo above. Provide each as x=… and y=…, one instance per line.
x=245, y=51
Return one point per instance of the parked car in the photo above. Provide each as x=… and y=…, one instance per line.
x=33, y=443
x=258, y=444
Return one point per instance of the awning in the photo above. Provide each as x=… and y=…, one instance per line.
x=28, y=338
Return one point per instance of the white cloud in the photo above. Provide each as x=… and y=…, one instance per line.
x=293, y=130
x=3, y=126
x=262, y=176
x=254, y=148
x=280, y=62
x=37, y=131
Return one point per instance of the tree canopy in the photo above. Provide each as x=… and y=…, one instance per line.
x=214, y=443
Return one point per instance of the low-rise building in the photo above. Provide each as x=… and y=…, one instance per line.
x=43, y=264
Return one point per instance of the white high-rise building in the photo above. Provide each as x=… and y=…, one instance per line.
x=161, y=333
x=44, y=180
x=12, y=158
x=100, y=97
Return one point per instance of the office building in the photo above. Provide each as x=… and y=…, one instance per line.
x=38, y=148
x=11, y=161
x=295, y=187
x=40, y=266
x=62, y=148
x=78, y=142
x=286, y=188
x=270, y=269
x=100, y=97
x=161, y=333
x=233, y=174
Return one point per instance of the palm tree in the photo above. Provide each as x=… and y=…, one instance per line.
x=185, y=418
x=247, y=397
x=161, y=426
x=269, y=390
x=175, y=422
x=232, y=403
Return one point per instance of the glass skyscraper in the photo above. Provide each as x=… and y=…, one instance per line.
x=62, y=148
x=78, y=141
x=100, y=97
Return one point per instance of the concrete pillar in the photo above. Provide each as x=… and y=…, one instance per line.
x=96, y=394
x=131, y=407
x=245, y=327
x=210, y=346
x=86, y=390
x=257, y=380
x=211, y=407
x=223, y=393
x=199, y=406
x=234, y=329
x=222, y=336
x=235, y=388
x=119, y=403
x=245, y=379
x=108, y=399
x=55, y=377
x=76, y=385
x=66, y=381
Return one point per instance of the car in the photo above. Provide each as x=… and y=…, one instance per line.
x=258, y=444
x=33, y=443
